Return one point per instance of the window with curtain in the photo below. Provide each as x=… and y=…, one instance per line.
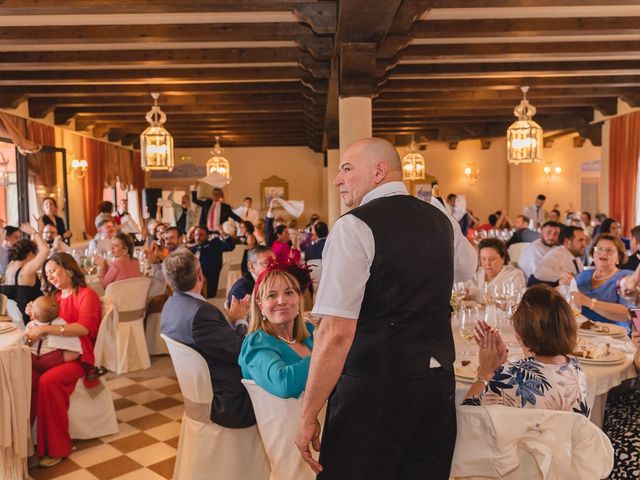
x=9, y=193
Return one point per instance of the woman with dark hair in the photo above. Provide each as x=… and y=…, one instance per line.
x=614, y=228
x=598, y=293
x=495, y=271
x=123, y=265
x=281, y=247
x=50, y=217
x=21, y=282
x=546, y=378
x=80, y=307
x=246, y=235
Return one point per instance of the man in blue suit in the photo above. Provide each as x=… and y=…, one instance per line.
x=319, y=232
x=214, y=211
x=189, y=319
x=209, y=252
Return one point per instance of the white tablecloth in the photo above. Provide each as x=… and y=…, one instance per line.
x=10, y=339
x=600, y=378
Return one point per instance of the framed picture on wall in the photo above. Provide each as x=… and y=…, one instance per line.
x=273, y=187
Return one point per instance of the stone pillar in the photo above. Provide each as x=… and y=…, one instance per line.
x=355, y=122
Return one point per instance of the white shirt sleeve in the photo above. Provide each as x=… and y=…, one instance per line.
x=346, y=263
x=554, y=266
x=465, y=257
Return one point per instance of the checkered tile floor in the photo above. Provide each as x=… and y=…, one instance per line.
x=149, y=408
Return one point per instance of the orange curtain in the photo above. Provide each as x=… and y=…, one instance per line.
x=624, y=149
x=16, y=129
x=42, y=164
x=93, y=187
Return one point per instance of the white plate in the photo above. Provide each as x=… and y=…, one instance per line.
x=615, y=357
x=7, y=327
x=614, y=330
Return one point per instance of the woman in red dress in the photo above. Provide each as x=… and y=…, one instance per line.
x=81, y=308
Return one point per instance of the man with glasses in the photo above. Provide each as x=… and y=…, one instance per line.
x=258, y=259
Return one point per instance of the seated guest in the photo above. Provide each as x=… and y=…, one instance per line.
x=522, y=234
x=258, y=232
x=55, y=241
x=11, y=236
x=554, y=215
x=245, y=234
x=101, y=243
x=585, y=220
x=546, y=378
x=80, y=307
x=209, y=252
x=21, y=282
x=598, y=293
x=123, y=265
x=634, y=257
x=492, y=221
x=189, y=319
x=564, y=261
x=51, y=350
x=258, y=259
x=612, y=226
x=281, y=248
x=495, y=270
x=533, y=253
x=105, y=211
x=124, y=219
x=277, y=352
x=319, y=232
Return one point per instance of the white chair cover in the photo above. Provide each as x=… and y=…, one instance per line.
x=518, y=444
x=91, y=412
x=230, y=273
x=152, y=333
x=278, y=420
x=15, y=404
x=16, y=315
x=515, y=251
x=121, y=345
x=207, y=451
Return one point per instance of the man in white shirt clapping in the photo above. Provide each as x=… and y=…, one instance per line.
x=563, y=262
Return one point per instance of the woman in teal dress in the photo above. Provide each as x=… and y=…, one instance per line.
x=277, y=352
x=598, y=294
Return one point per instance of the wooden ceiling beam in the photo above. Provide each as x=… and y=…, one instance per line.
x=216, y=32
x=527, y=27
x=463, y=4
x=513, y=94
x=101, y=7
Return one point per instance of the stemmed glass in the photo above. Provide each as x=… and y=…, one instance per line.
x=467, y=319
x=458, y=293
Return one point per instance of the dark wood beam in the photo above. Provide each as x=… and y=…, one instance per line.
x=216, y=32
x=98, y=7
x=358, y=69
x=320, y=16
x=527, y=27
x=524, y=51
x=513, y=94
x=462, y=4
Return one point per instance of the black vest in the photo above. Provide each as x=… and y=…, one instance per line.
x=405, y=315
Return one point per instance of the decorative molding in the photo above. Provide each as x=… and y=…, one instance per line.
x=183, y=170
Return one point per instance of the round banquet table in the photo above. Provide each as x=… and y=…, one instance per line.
x=10, y=339
x=600, y=378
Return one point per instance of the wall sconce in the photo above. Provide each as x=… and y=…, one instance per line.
x=550, y=171
x=79, y=168
x=472, y=172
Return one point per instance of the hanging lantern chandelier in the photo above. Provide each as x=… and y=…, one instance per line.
x=524, y=136
x=217, y=163
x=156, y=143
x=413, y=164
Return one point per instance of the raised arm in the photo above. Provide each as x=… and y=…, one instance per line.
x=196, y=200
x=33, y=265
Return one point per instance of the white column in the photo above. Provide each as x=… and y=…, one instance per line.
x=333, y=198
x=355, y=122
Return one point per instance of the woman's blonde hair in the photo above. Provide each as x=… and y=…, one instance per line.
x=258, y=322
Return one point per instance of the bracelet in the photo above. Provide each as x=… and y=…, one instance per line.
x=479, y=379
x=61, y=330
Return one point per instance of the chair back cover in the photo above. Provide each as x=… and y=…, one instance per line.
x=91, y=411
x=278, y=420
x=515, y=251
x=16, y=315
x=316, y=272
x=129, y=295
x=206, y=450
x=516, y=443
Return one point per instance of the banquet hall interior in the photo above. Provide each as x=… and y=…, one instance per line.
x=138, y=117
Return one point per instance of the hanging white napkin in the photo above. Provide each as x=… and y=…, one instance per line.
x=293, y=207
x=215, y=180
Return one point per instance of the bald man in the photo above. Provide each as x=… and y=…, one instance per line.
x=383, y=353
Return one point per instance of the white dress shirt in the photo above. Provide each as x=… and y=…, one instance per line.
x=507, y=275
x=348, y=255
x=250, y=214
x=536, y=215
x=51, y=343
x=531, y=257
x=557, y=263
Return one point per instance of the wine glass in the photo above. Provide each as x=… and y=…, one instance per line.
x=467, y=326
x=458, y=293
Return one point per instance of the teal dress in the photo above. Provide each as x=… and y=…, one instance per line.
x=273, y=365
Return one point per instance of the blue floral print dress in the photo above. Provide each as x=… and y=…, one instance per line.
x=529, y=383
